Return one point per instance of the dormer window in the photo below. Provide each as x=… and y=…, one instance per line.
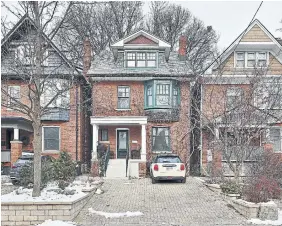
x=140, y=59
x=250, y=59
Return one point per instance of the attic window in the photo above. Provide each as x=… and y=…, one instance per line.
x=25, y=55
x=140, y=59
x=251, y=59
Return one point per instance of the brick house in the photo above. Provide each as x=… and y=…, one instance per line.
x=65, y=118
x=141, y=102
x=238, y=94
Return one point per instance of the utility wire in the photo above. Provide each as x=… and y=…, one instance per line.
x=242, y=34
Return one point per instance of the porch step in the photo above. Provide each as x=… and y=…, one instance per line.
x=116, y=168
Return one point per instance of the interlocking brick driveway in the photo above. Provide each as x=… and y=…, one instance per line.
x=162, y=204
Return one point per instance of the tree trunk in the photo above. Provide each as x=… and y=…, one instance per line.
x=237, y=174
x=37, y=146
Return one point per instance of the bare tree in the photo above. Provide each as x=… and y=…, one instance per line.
x=43, y=87
x=102, y=22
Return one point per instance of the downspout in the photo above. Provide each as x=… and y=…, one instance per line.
x=76, y=122
x=201, y=133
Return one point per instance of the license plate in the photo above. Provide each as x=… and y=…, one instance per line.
x=168, y=168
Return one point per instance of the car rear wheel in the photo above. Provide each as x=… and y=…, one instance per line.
x=153, y=180
x=183, y=180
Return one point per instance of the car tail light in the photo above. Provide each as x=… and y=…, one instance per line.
x=156, y=167
x=182, y=167
x=13, y=166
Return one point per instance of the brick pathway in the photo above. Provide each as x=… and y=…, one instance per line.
x=162, y=204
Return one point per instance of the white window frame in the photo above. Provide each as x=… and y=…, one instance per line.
x=135, y=51
x=269, y=138
x=51, y=151
x=246, y=58
x=9, y=93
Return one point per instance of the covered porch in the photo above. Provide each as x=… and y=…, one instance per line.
x=126, y=138
x=16, y=137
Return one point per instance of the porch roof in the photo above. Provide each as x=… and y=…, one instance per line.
x=16, y=122
x=110, y=120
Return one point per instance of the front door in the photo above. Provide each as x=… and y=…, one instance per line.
x=122, y=143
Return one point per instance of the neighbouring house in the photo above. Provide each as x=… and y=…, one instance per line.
x=141, y=103
x=239, y=103
x=65, y=123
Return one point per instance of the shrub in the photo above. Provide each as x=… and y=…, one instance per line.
x=26, y=173
x=231, y=187
x=64, y=168
x=262, y=189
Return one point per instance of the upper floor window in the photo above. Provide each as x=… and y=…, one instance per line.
x=275, y=135
x=140, y=59
x=123, y=97
x=25, y=55
x=233, y=98
x=161, y=94
x=55, y=93
x=268, y=95
x=14, y=95
x=251, y=59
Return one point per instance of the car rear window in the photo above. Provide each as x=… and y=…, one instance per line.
x=23, y=161
x=168, y=159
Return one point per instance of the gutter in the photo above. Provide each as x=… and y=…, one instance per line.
x=76, y=122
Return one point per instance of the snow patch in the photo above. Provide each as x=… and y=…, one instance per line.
x=116, y=215
x=268, y=222
x=57, y=223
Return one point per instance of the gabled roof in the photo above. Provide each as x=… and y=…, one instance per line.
x=133, y=36
x=27, y=21
x=238, y=41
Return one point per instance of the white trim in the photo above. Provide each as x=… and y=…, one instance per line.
x=230, y=49
x=51, y=151
x=112, y=120
x=159, y=42
x=128, y=134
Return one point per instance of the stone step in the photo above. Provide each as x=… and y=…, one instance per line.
x=116, y=168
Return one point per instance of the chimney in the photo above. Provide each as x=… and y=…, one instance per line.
x=182, y=47
x=87, y=55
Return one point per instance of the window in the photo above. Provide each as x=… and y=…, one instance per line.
x=240, y=57
x=233, y=98
x=14, y=95
x=123, y=97
x=104, y=135
x=168, y=159
x=51, y=89
x=251, y=59
x=268, y=95
x=161, y=94
x=276, y=139
x=160, y=139
x=141, y=59
x=51, y=137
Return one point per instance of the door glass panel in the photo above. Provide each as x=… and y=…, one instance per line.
x=122, y=140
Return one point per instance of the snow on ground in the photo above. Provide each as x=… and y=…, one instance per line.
x=5, y=179
x=268, y=222
x=116, y=215
x=47, y=195
x=56, y=223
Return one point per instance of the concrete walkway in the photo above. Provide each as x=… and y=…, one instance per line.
x=163, y=204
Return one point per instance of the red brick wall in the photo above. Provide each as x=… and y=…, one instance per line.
x=105, y=104
x=67, y=129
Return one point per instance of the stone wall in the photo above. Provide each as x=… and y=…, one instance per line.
x=33, y=213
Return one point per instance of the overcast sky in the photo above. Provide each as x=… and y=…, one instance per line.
x=230, y=18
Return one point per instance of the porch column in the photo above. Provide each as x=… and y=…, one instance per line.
x=143, y=147
x=95, y=141
x=16, y=134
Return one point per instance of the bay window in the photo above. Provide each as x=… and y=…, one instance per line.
x=161, y=94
